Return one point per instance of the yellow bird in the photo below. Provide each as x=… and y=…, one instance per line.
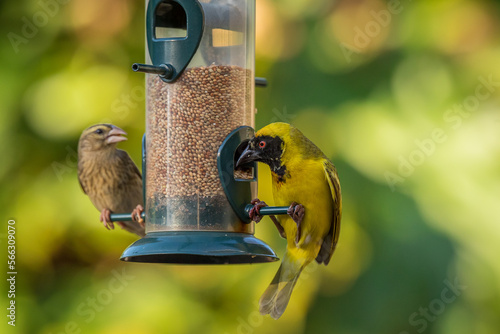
x=301, y=173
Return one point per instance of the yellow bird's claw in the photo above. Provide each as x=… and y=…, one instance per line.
x=254, y=213
x=297, y=212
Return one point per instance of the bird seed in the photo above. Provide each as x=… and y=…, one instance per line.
x=187, y=122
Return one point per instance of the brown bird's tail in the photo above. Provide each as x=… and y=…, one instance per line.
x=133, y=227
x=275, y=299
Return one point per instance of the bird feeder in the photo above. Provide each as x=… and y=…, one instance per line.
x=199, y=116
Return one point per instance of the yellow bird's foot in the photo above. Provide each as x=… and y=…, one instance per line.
x=254, y=213
x=280, y=228
x=296, y=212
x=136, y=215
x=106, y=219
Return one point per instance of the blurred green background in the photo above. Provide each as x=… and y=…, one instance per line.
x=403, y=96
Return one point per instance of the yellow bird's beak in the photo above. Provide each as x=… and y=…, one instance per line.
x=116, y=135
x=247, y=156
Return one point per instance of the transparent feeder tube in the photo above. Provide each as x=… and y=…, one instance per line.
x=187, y=121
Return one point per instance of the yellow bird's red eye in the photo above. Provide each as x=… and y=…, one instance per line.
x=262, y=144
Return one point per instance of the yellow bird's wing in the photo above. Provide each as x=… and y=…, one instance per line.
x=331, y=239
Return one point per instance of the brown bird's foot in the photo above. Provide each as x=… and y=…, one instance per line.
x=254, y=213
x=296, y=212
x=136, y=215
x=280, y=228
x=106, y=219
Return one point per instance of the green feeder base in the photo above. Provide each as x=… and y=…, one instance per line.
x=195, y=247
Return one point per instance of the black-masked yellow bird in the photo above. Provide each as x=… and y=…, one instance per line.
x=302, y=174
x=109, y=176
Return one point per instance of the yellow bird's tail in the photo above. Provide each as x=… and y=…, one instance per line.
x=276, y=297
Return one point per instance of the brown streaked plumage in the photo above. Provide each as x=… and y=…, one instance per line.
x=109, y=176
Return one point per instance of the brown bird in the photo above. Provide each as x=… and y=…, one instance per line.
x=109, y=176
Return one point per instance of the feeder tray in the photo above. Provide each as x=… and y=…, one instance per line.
x=195, y=247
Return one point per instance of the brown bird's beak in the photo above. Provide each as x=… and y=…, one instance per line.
x=115, y=135
x=247, y=156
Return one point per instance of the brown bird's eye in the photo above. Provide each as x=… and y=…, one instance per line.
x=262, y=144
x=98, y=131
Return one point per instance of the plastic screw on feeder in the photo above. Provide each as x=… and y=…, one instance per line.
x=269, y=210
x=163, y=70
x=260, y=82
x=123, y=217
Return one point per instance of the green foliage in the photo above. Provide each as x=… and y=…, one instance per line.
x=402, y=95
